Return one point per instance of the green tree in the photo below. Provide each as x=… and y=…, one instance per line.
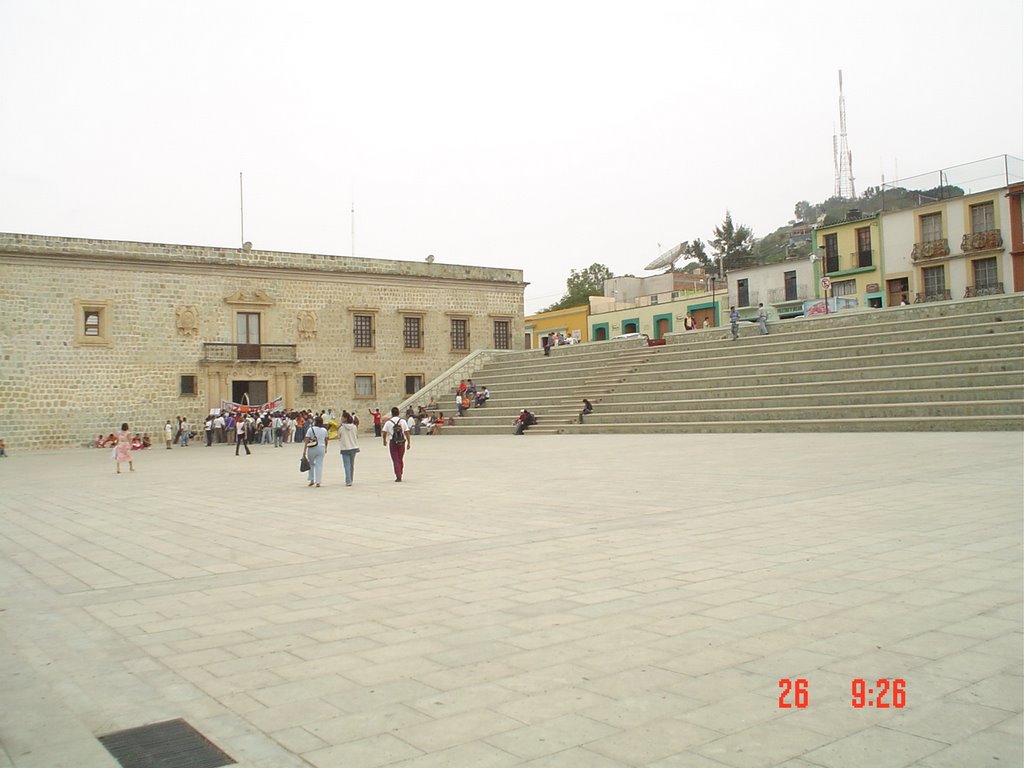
x=733, y=245
x=581, y=285
x=697, y=251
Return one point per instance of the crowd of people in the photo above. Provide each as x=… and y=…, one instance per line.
x=314, y=430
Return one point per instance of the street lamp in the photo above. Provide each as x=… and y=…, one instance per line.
x=714, y=312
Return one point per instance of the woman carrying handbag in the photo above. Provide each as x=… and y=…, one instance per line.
x=315, y=448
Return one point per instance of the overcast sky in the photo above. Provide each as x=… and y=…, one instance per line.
x=544, y=136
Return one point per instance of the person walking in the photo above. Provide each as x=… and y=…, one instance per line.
x=762, y=319
x=734, y=323
x=315, y=442
x=376, y=421
x=123, y=449
x=400, y=441
x=241, y=435
x=185, y=427
x=208, y=428
x=347, y=437
x=278, y=426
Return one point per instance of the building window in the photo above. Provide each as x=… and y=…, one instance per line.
x=308, y=384
x=365, y=385
x=412, y=332
x=92, y=323
x=864, y=247
x=832, y=253
x=460, y=334
x=247, y=335
x=362, y=329
x=187, y=385
x=789, y=279
x=413, y=383
x=986, y=274
x=742, y=293
x=983, y=217
x=934, y=280
x=502, y=334
x=931, y=227
x=844, y=287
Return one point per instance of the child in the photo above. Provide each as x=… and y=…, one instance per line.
x=3, y=449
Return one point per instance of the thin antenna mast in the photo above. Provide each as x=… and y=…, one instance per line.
x=353, y=251
x=241, y=208
x=841, y=152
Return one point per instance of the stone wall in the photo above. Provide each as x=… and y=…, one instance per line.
x=161, y=305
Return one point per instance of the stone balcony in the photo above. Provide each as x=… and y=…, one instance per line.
x=930, y=249
x=219, y=352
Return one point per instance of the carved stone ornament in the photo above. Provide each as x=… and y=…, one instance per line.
x=251, y=298
x=307, y=325
x=188, y=321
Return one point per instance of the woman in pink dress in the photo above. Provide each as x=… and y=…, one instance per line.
x=123, y=449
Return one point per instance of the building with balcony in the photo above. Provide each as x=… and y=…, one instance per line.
x=850, y=254
x=97, y=332
x=782, y=286
x=951, y=248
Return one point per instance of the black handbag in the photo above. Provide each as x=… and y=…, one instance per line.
x=304, y=464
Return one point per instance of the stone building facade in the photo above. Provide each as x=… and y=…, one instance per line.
x=97, y=332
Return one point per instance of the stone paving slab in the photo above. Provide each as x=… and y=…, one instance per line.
x=576, y=600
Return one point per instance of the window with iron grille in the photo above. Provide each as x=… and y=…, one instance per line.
x=986, y=274
x=789, y=279
x=502, y=334
x=832, y=253
x=188, y=385
x=413, y=383
x=844, y=287
x=934, y=280
x=412, y=332
x=931, y=228
x=308, y=384
x=365, y=385
x=362, y=329
x=983, y=217
x=460, y=333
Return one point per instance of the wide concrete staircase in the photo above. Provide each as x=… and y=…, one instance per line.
x=948, y=366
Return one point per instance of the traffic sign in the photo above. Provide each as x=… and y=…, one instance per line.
x=825, y=283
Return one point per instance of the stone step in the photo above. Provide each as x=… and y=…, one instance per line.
x=768, y=353
x=838, y=425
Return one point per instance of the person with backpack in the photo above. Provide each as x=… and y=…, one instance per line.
x=397, y=439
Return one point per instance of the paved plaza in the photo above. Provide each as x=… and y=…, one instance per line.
x=591, y=601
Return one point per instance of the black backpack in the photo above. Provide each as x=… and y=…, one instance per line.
x=398, y=432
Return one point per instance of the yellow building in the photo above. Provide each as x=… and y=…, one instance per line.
x=851, y=256
x=571, y=322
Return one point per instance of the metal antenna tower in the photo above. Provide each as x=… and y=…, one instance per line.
x=841, y=154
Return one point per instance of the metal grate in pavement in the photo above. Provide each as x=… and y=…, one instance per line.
x=171, y=744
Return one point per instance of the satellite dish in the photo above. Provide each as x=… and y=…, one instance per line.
x=430, y=259
x=246, y=246
x=668, y=258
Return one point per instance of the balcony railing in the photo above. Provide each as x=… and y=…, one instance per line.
x=862, y=258
x=944, y=295
x=217, y=352
x=991, y=289
x=982, y=241
x=930, y=249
